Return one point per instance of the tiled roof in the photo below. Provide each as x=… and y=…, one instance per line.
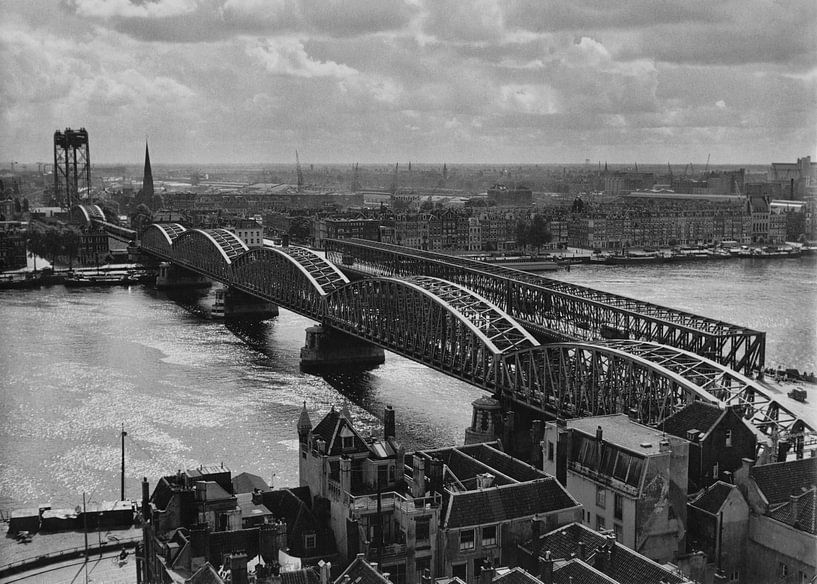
x=246, y=482
x=326, y=427
x=214, y=492
x=466, y=469
x=507, y=465
x=805, y=509
x=626, y=565
x=360, y=572
x=330, y=426
x=713, y=498
x=578, y=572
x=303, y=576
x=207, y=574
x=780, y=479
x=695, y=416
x=502, y=503
x=516, y=576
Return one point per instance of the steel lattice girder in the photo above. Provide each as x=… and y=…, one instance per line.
x=584, y=379
x=158, y=239
x=116, y=231
x=751, y=399
x=433, y=322
x=295, y=281
x=209, y=251
x=87, y=213
x=562, y=310
x=324, y=274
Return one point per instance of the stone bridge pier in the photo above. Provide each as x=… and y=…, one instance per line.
x=239, y=305
x=173, y=277
x=328, y=347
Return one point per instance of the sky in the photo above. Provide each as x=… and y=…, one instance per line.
x=528, y=81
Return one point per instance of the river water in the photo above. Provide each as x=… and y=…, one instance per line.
x=76, y=365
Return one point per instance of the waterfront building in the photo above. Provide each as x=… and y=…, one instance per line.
x=782, y=532
x=719, y=439
x=13, y=250
x=796, y=179
x=629, y=477
x=439, y=510
x=345, y=228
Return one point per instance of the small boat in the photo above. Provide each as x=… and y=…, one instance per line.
x=89, y=280
x=8, y=282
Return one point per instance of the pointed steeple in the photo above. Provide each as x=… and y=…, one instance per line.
x=304, y=424
x=147, y=179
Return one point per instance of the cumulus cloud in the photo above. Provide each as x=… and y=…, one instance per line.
x=428, y=79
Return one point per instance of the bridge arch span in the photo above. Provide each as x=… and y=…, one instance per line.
x=586, y=379
x=293, y=277
x=158, y=238
x=751, y=399
x=209, y=250
x=87, y=213
x=430, y=321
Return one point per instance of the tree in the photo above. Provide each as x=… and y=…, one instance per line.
x=300, y=229
x=534, y=233
x=71, y=241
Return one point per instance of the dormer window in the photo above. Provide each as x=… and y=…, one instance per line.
x=348, y=442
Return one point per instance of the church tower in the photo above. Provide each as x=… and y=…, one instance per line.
x=147, y=180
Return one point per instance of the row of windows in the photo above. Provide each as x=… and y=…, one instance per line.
x=468, y=541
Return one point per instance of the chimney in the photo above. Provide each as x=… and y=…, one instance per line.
x=546, y=568
x=388, y=423
x=419, y=464
x=534, y=532
x=486, y=572
x=485, y=480
x=581, y=550
x=375, y=566
x=693, y=434
x=425, y=578
x=794, y=500
x=325, y=569
x=632, y=413
x=346, y=473
x=435, y=474
x=598, y=434
x=782, y=450
x=238, y=568
x=145, y=499
x=664, y=445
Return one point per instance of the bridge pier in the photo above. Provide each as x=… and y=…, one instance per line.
x=236, y=304
x=172, y=277
x=328, y=347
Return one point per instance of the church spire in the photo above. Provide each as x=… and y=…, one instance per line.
x=147, y=179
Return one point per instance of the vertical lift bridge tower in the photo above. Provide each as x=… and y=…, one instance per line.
x=72, y=166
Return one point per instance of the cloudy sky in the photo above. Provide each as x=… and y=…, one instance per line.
x=422, y=80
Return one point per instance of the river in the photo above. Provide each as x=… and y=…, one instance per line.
x=76, y=365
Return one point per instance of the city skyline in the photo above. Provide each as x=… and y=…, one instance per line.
x=232, y=81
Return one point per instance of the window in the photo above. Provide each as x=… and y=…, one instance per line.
x=460, y=571
x=782, y=569
x=550, y=450
x=310, y=541
x=348, y=442
x=618, y=530
x=601, y=496
x=422, y=530
x=489, y=535
x=599, y=523
x=727, y=438
x=618, y=506
x=467, y=539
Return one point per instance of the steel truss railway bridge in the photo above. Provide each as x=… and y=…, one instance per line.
x=452, y=326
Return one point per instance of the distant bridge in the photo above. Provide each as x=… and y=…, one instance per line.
x=456, y=330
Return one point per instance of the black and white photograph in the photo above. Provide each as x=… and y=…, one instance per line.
x=408, y=292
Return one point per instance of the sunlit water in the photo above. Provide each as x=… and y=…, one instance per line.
x=76, y=365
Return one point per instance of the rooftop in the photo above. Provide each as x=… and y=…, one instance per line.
x=779, y=479
x=713, y=497
x=620, y=430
